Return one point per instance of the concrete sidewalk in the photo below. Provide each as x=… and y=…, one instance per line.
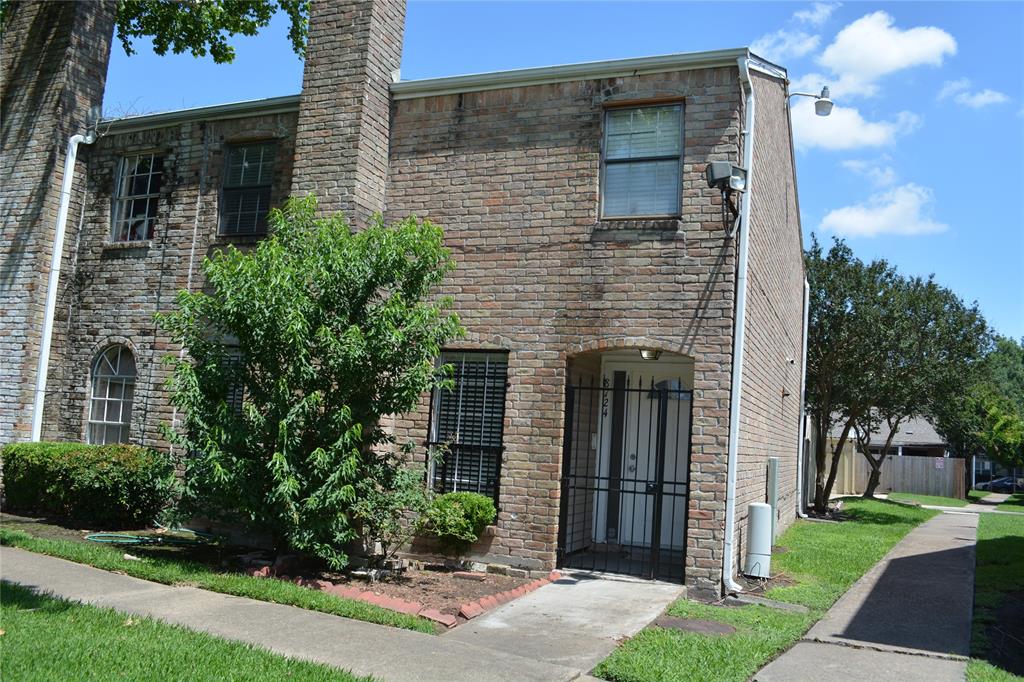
x=908, y=618
x=558, y=632
x=575, y=622
x=986, y=505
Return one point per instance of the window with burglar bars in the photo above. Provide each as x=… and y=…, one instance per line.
x=245, y=196
x=110, y=403
x=136, y=197
x=467, y=424
x=642, y=161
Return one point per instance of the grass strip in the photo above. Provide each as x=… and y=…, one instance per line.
x=977, y=495
x=1014, y=503
x=997, y=581
x=824, y=559
x=52, y=639
x=936, y=500
x=193, y=574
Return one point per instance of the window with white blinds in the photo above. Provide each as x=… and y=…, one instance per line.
x=245, y=197
x=467, y=424
x=642, y=161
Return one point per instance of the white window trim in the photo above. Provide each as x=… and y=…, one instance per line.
x=121, y=198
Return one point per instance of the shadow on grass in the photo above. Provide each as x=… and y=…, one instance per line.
x=881, y=518
x=26, y=599
x=999, y=603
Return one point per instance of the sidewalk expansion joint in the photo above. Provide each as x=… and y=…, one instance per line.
x=885, y=649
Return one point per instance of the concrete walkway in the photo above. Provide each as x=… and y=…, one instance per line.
x=575, y=622
x=986, y=505
x=553, y=634
x=907, y=619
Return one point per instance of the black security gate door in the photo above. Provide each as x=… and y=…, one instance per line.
x=625, y=474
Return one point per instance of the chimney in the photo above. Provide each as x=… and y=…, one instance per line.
x=341, y=149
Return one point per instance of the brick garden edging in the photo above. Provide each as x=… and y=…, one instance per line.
x=467, y=611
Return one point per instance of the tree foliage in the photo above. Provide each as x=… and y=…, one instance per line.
x=881, y=348
x=295, y=351
x=202, y=27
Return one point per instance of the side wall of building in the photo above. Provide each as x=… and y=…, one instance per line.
x=512, y=176
x=111, y=290
x=770, y=406
x=54, y=65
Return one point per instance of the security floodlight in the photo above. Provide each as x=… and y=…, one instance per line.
x=822, y=103
x=725, y=176
x=650, y=353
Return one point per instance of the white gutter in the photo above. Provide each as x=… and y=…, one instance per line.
x=800, y=454
x=743, y=246
x=43, y=367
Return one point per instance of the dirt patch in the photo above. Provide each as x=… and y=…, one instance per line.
x=436, y=587
x=762, y=585
x=704, y=627
x=1006, y=634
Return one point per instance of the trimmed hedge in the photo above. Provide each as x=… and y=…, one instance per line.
x=458, y=519
x=104, y=485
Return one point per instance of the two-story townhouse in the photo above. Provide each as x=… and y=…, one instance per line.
x=634, y=350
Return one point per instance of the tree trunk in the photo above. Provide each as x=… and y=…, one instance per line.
x=874, y=478
x=823, y=492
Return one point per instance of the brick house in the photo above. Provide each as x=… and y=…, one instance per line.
x=633, y=355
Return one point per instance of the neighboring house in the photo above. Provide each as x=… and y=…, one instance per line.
x=917, y=439
x=626, y=372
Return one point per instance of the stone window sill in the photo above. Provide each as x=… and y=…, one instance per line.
x=127, y=245
x=637, y=229
x=225, y=239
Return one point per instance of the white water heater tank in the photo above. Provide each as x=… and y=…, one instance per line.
x=758, y=563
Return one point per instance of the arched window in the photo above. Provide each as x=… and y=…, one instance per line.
x=113, y=387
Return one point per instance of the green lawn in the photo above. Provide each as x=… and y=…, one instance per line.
x=1014, y=503
x=824, y=559
x=51, y=639
x=170, y=571
x=977, y=495
x=997, y=581
x=928, y=499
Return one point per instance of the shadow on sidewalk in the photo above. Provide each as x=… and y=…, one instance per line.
x=921, y=602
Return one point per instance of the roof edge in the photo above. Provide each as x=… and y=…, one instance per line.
x=567, y=72
x=269, y=105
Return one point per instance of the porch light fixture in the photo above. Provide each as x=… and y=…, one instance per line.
x=650, y=354
x=822, y=103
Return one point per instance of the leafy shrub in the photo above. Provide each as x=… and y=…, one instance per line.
x=458, y=519
x=103, y=485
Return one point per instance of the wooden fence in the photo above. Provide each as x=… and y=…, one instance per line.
x=922, y=475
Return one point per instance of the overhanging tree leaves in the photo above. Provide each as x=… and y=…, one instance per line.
x=203, y=26
x=846, y=313
x=294, y=353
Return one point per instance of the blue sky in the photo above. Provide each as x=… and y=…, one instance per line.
x=921, y=162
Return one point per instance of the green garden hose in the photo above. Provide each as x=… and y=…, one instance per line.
x=198, y=538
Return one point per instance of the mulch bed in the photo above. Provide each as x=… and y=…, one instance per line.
x=436, y=587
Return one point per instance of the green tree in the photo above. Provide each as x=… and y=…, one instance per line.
x=295, y=351
x=203, y=26
x=846, y=312
x=930, y=346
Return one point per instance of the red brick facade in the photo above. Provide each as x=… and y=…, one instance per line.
x=513, y=175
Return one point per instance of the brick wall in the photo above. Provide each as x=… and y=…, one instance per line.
x=54, y=64
x=110, y=290
x=342, y=147
x=512, y=177
x=770, y=409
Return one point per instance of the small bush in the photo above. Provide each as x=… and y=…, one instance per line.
x=458, y=519
x=103, y=485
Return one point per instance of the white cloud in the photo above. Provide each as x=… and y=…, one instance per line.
x=959, y=90
x=872, y=47
x=982, y=98
x=901, y=210
x=878, y=172
x=818, y=14
x=950, y=88
x=845, y=128
x=783, y=45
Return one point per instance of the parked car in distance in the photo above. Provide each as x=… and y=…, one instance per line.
x=1006, y=485
x=997, y=482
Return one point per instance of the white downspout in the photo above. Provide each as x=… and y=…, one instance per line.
x=743, y=245
x=43, y=367
x=800, y=454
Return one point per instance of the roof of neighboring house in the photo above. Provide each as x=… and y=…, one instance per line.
x=467, y=83
x=914, y=431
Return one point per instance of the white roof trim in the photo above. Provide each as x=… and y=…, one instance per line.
x=568, y=72
x=253, y=107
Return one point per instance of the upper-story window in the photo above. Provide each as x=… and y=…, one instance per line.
x=245, y=198
x=135, y=200
x=642, y=160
